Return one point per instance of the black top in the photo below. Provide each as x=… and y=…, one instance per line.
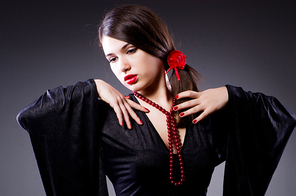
x=77, y=140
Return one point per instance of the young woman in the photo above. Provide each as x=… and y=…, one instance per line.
x=163, y=139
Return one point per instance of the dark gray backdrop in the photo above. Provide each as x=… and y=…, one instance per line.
x=44, y=44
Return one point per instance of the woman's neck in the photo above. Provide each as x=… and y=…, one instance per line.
x=160, y=94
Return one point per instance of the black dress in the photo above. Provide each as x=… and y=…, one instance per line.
x=77, y=140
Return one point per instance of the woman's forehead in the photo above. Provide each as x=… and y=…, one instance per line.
x=112, y=45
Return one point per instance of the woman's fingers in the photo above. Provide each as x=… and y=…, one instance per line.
x=136, y=106
x=126, y=116
x=202, y=109
x=131, y=113
x=118, y=113
x=204, y=103
x=187, y=104
x=125, y=112
x=131, y=104
x=200, y=117
x=197, y=109
x=188, y=94
x=121, y=105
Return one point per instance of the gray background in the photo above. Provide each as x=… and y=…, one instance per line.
x=44, y=44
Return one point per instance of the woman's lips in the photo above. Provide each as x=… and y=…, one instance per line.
x=130, y=79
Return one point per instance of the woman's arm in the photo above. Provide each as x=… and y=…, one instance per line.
x=64, y=126
x=252, y=139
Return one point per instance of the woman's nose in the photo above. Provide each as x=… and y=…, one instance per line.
x=124, y=65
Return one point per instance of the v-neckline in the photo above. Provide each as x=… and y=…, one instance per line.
x=157, y=133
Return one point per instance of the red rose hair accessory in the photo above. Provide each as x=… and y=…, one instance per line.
x=176, y=60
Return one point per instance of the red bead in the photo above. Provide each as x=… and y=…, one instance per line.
x=173, y=133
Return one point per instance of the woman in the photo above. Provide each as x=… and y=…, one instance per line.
x=172, y=139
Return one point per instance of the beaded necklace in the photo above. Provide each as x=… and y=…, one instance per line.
x=173, y=137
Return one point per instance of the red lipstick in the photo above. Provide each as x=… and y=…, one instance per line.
x=131, y=78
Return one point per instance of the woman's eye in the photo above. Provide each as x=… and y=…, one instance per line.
x=132, y=51
x=111, y=60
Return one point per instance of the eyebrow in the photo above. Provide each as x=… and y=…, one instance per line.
x=123, y=47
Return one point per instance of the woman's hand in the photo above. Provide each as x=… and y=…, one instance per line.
x=205, y=102
x=121, y=104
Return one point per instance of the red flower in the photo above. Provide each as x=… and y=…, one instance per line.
x=176, y=60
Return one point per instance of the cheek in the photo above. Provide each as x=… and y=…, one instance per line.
x=155, y=65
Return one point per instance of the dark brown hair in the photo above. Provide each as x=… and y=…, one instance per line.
x=141, y=27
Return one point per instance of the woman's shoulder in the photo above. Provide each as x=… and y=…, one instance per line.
x=59, y=101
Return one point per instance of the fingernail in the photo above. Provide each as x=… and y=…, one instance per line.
x=182, y=114
x=177, y=96
x=141, y=122
x=127, y=97
x=147, y=109
x=194, y=121
x=175, y=108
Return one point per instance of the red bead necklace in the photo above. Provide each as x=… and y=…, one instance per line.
x=173, y=137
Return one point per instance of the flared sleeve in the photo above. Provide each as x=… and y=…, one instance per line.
x=64, y=127
x=260, y=127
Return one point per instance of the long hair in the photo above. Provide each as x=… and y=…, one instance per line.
x=141, y=27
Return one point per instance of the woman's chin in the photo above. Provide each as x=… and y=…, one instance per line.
x=132, y=87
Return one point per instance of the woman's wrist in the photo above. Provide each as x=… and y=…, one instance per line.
x=98, y=83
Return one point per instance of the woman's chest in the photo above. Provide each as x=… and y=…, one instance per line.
x=142, y=152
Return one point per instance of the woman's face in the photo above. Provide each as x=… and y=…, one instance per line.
x=136, y=69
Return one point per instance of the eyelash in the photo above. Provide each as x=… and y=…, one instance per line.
x=130, y=51
x=112, y=59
